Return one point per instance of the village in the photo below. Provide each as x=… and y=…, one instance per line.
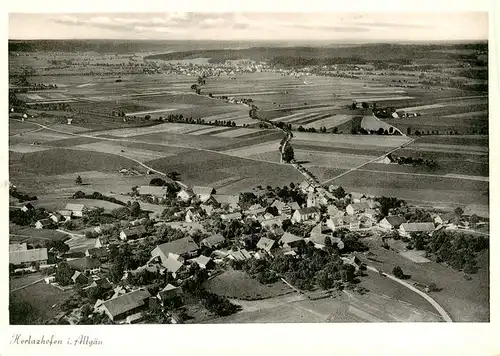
x=138, y=266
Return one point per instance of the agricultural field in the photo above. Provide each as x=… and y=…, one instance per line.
x=206, y=168
x=44, y=299
x=463, y=300
x=239, y=285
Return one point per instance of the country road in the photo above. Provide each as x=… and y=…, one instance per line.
x=436, y=306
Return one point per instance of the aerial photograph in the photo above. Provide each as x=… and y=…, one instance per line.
x=245, y=167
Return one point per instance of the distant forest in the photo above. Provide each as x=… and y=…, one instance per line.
x=355, y=54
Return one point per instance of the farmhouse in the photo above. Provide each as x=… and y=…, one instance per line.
x=391, y=222
x=101, y=283
x=168, y=292
x=290, y=240
x=153, y=191
x=319, y=241
x=334, y=212
x=306, y=214
x=203, y=193
x=85, y=264
x=230, y=217
x=178, y=250
x=76, y=209
x=265, y=244
x=239, y=255
x=18, y=247
x=101, y=254
x=213, y=241
x=444, y=218
x=122, y=306
x=203, y=261
x=177, y=268
x=43, y=224
x=316, y=199
x=356, y=208
x=79, y=278
x=192, y=216
x=102, y=241
x=56, y=217
x=356, y=197
x=66, y=214
x=407, y=228
x=185, y=195
x=26, y=207
x=230, y=200
x=348, y=222
x=132, y=233
x=26, y=257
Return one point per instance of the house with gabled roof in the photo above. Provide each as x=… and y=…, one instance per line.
x=44, y=224
x=102, y=254
x=192, y=216
x=84, y=264
x=319, y=241
x=180, y=249
x=392, y=222
x=185, y=195
x=26, y=207
x=407, y=228
x=203, y=261
x=18, y=247
x=121, y=307
x=168, y=292
x=153, y=191
x=306, y=214
x=208, y=209
x=203, y=193
x=265, y=244
x=76, y=209
x=26, y=257
x=291, y=240
x=132, y=233
x=227, y=200
x=56, y=217
x=79, y=278
x=239, y=255
x=356, y=208
x=213, y=241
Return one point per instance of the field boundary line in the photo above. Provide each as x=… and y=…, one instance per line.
x=373, y=160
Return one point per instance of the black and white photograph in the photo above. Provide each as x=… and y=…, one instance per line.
x=248, y=167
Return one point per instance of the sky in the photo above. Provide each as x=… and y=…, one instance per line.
x=252, y=26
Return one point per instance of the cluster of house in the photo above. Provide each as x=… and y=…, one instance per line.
x=60, y=216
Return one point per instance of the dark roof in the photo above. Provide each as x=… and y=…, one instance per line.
x=308, y=210
x=213, y=240
x=126, y=302
x=134, y=231
x=179, y=247
x=84, y=263
x=98, y=252
x=265, y=244
x=395, y=220
x=288, y=238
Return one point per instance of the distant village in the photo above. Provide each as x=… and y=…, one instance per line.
x=142, y=266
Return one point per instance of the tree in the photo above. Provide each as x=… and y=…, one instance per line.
x=398, y=272
x=135, y=209
x=339, y=193
x=78, y=180
x=64, y=274
x=365, y=105
x=116, y=272
x=288, y=154
x=408, y=131
x=158, y=182
x=459, y=211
